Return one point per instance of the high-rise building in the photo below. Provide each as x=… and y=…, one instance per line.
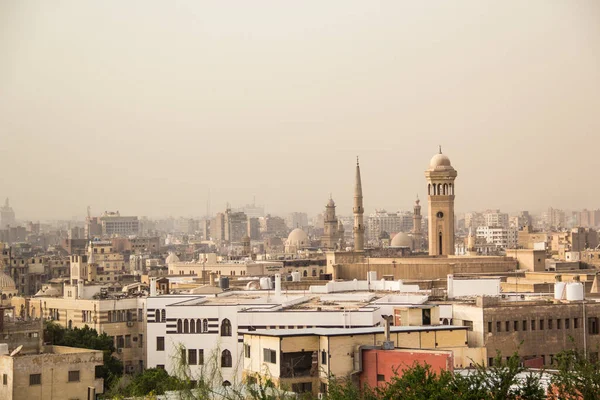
x=114, y=224
x=440, y=189
x=7, y=215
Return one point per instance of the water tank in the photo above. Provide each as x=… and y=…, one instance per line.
x=224, y=282
x=265, y=283
x=559, y=290
x=296, y=276
x=575, y=291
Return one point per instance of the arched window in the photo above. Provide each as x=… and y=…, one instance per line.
x=451, y=189
x=226, y=384
x=314, y=272
x=205, y=325
x=163, y=315
x=186, y=326
x=439, y=189
x=198, y=325
x=429, y=189
x=225, y=328
x=226, y=359
x=445, y=189
x=179, y=326
x=192, y=326
x=156, y=316
x=305, y=274
x=70, y=324
x=441, y=247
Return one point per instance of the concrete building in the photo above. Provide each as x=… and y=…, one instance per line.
x=381, y=221
x=297, y=220
x=499, y=236
x=7, y=215
x=440, y=189
x=495, y=218
x=56, y=372
x=113, y=224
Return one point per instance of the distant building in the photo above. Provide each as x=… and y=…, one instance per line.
x=114, y=224
x=7, y=215
x=297, y=220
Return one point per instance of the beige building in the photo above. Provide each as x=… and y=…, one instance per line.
x=122, y=318
x=302, y=360
x=57, y=372
x=537, y=329
x=440, y=190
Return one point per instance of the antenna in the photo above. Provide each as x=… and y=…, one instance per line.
x=16, y=351
x=440, y=149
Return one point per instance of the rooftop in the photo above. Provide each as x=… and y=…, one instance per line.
x=352, y=331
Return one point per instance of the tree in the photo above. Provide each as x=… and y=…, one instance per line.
x=87, y=338
x=577, y=377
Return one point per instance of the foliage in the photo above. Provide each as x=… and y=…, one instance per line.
x=577, y=377
x=150, y=382
x=87, y=338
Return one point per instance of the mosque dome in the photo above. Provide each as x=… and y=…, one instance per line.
x=298, y=237
x=401, y=239
x=440, y=162
x=172, y=258
x=6, y=282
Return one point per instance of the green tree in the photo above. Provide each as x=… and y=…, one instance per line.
x=87, y=338
x=577, y=377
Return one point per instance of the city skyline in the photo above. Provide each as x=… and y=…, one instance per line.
x=158, y=109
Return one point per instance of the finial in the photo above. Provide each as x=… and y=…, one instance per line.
x=440, y=149
x=330, y=197
x=357, y=161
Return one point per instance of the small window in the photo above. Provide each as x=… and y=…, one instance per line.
x=541, y=324
x=5, y=379
x=567, y=323
x=201, y=357
x=575, y=323
x=559, y=324
x=516, y=326
x=160, y=343
x=380, y=378
x=507, y=326
x=160, y=366
x=192, y=357
x=533, y=324
x=270, y=356
x=498, y=326
x=246, y=350
x=35, y=379
x=524, y=325
x=323, y=357
x=549, y=324
x=73, y=376
x=490, y=326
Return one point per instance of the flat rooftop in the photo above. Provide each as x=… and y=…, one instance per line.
x=352, y=331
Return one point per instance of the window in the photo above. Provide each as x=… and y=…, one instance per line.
x=593, y=325
x=35, y=379
x=468, y=324
x=183, y=356
x=73, y=376
x=225, y=328
x=559, y=324
x=567, y=323
x=524, y=325
x=160, y=343
x=489, y=326
x=205, y=325
x=198, y=326
x=323, y=357
x=541, y=324
x=5, y=379
x=533, y=324
x=179, y=326
x=380, y=378
x=575, y=323
x=186, y=326
x=192, y=357
x=160, y=366
x=163, y=315
x=549, y=324
x=490, y=361
x=141, y=341
x=507, y=326
x=498, y=326
x=120, y=342
x=246, y=350
x=201, y=357
x=226, y=359
x=516, y=326
x=128, y=341
x=270, y=356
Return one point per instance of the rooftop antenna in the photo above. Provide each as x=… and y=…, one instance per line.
x=440, y=148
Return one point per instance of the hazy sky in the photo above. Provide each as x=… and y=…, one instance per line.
x=145, y=106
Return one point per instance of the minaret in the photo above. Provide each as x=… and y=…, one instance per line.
x=330, y=223
x=341, y=231
x=471, y=250
x=440, y=190
x=417, y=223
x=359, y=227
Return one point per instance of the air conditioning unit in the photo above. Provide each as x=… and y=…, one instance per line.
x=130, y=323
x=119, y=350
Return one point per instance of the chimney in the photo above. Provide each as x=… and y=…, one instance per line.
x=450, y=289
x=277, y=285
x=387, y=344
x=152, y=287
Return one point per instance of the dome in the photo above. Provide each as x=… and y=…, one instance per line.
x=440, y=162
x=401, y=239
x=245, y=238
x=172, y=258
x=298, y=237
x=6, y=282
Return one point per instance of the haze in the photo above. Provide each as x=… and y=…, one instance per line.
x=146, y=106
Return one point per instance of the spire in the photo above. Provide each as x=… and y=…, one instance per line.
x=359, y=228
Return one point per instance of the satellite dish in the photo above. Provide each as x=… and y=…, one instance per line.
x=16, y=351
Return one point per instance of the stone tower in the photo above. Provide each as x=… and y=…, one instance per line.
x=440, y=191
x=341, y=232
x=330, y=233
x=417, y=233
x=359, y=227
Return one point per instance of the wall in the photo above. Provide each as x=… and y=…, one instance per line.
x=529, y=260
x=394, y=362
x=474, y=287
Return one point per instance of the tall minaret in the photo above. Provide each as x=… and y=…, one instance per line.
x=440, y=190
x=330, y=233
x=359, y=227
x=417, y=222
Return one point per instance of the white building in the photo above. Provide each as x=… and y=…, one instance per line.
x=211, y=327
x=503, y=238
x=114, y=224
x=495, y=218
